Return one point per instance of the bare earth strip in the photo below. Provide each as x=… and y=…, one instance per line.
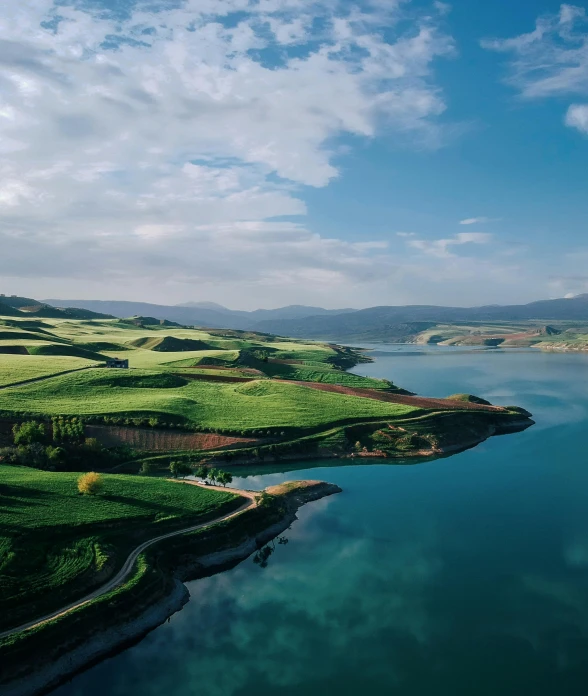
x=416, y=401
x=154, y=440
x=128, y=566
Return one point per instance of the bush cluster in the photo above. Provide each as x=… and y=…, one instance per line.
x=62, y=446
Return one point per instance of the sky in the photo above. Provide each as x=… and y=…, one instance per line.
x=259, y=153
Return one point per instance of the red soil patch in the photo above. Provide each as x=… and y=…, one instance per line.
x=153, y=440
x=416, y=401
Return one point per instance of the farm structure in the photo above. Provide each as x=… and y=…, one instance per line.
x=118, y=363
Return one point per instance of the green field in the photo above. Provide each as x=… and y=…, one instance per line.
x=229, y=407
x=54, y=542
x=197, y=392
x=19, y=368
x=179, y=374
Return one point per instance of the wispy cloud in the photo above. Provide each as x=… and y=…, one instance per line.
x=474, y=220
x=441, y=247
x=551, y=60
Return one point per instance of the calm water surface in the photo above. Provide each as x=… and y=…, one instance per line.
x=466, y=575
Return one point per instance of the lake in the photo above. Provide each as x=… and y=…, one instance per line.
x=462, y=576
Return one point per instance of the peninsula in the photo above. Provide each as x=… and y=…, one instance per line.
x=141, y=402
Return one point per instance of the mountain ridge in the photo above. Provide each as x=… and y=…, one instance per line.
x=372, y=323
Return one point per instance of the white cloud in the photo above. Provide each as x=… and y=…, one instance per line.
x=552, y=60
x=474, y=220
x=169, y=132
x=577, y=117
x=441, y=247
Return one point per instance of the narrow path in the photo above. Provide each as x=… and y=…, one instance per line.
x=129, y=564
x=44, y=377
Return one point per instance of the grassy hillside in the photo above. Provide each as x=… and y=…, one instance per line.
x=56, y=544
x=19, y=368
x=228, y=382
x=230, y=407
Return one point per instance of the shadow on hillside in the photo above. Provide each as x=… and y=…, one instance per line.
x=143, y=504
x=21, y=496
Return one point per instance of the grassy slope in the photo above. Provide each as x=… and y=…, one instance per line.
x=53, y=541
x=18, y=368
x=258, y=404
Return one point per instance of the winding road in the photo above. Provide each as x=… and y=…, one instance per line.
x=128, y=565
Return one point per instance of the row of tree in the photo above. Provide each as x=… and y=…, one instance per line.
x=60, y=446
x=207, y=474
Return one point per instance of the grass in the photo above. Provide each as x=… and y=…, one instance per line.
x=18, y=368
x=230, y=407
x=321, y=372
x=54, y=541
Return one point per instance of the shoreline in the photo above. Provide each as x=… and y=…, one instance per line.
x=41, y=679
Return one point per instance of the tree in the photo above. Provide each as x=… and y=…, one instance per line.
x=56, y=456
x=264, y=499
x=92, y=444
x=148, y=468
x=184, y=469
x=28, y=433
x=224, y=477
x=90, y=483
x=201, y=472
x=180, y=469
x=213, y=475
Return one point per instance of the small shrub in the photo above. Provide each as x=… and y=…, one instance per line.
x=56, y=456
x=148, y=468
x=90, y=483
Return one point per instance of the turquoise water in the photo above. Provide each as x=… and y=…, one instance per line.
x=463, y=576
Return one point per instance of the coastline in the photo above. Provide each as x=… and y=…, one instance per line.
x=181, y=560
x=39, y=678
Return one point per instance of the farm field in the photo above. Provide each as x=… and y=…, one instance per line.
x=56, y=544
x=19, y=368
x=192, y=382
x=228, y=381
x=228, y=407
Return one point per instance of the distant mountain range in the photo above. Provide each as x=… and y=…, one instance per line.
x=27, y=307
x=396, y=323
x=208, y=314
x=386, y=323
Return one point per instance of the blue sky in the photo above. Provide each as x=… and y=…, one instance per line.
x=268, y=152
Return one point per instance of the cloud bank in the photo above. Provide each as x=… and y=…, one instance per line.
x=173, y=145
